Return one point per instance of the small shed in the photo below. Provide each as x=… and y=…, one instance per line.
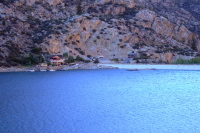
x=43, y=64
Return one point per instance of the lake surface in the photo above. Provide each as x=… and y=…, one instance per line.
x=100, y=101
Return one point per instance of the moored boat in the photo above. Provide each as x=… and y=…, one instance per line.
x=51, y=70
x=31, y=70
x=43, y=70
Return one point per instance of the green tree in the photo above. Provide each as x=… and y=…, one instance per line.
x=78, y=58
x=36, y=50
x=3, y=22
x=70, y=59
x=191, y=61
x=33, y=59
x=96, y=61
x=65, y=55
x=115, y=59
x=41, y=59
x=87, y=61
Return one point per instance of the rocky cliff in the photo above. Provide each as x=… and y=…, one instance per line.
x=152, y=31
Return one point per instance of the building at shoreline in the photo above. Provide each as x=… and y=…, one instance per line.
x=57, y=60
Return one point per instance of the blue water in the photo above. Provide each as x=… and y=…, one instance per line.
x=100, y=101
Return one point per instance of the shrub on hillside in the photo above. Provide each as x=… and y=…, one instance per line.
x=78, y=58
x=191, y=61
x=70, y=59
x=65, y=55
x=115, y=59
x=87, y=61
x=36, y=50
x=96, y=61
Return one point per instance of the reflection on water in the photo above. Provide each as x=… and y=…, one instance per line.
x=100, y=101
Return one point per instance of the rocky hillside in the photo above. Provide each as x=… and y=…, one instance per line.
x=152, y=31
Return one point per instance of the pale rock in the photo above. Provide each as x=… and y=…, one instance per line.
x=85, y=36
x=55, y=46
x=86, y=24
x=146, y=18
x=164, y=57
x=128, y=3
x=127, y=37
x=146, y=15
x=143, y=50
x=144, y=23
x=134, y=39
x=182, y=34
x=54, y=2
x=168, y=57
x=114, y=10
x=30, y=2
x=55, y=10
x=103, y=1
x=19, y=3
x=95, y=23
x=162, y=26
x=41, y=13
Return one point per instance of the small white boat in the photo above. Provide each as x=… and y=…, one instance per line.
x=43, y=70
x=51, y=70
x=31, y=70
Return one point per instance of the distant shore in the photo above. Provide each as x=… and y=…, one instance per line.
x=76, y=66
x=154, y=66
x=105, y=66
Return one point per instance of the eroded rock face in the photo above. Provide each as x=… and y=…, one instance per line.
x=95, y=37
x=152, y=31
x=164, y=27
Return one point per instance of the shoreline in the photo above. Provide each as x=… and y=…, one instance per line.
x=80, y=66
x=85, y=66
x=154, y=66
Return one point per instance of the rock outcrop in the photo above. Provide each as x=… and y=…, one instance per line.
x=153, y=31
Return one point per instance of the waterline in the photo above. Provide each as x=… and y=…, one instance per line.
x=150, y=66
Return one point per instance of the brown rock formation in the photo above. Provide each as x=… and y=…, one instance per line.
x=155, y=31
